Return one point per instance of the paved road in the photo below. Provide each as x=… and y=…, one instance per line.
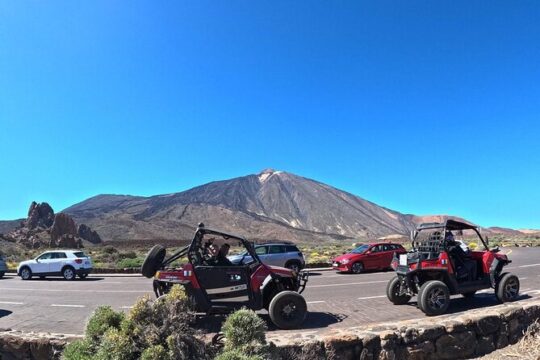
x=334, y=300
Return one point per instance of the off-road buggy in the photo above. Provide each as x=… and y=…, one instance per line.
x=215, y=285
x=439, y=266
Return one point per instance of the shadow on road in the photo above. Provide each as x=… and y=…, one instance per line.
x=4, y=313
x=314, y=320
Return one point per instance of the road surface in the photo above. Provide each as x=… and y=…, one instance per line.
x=334, y=300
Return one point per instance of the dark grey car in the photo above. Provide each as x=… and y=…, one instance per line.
x=276, y=254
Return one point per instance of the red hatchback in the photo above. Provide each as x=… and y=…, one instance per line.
x=376, y=256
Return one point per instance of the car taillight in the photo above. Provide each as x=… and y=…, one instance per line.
x=78, y=261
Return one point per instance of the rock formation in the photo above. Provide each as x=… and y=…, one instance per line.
x=44, y=228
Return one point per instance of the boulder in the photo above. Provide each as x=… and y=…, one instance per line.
x=86, y=233
x=63, y=225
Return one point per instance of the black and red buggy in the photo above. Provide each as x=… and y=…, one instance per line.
x=216, y=285
x=439, y=265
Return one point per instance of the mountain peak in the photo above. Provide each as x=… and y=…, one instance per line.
x=266, y=173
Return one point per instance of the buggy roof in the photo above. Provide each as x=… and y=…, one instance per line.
x=449, y=225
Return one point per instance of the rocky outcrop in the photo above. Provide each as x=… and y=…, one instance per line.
x=39, y=215
x=86, y=233
x=63, y=225
x=44, y=228
x=472, y=334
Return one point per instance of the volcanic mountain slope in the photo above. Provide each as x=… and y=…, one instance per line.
x=272, y=205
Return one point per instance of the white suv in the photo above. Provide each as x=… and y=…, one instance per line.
x=66, y=263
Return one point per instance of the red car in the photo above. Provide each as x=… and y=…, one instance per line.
x=376, y=256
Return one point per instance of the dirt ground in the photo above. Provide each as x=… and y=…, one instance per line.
x=526, y=349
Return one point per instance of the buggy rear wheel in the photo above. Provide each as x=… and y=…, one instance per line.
x=392, y=292
x=288, y=310
x=434, y=298
x=153, y=261
x=507, y=288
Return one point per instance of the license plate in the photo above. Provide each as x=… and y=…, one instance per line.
x=403, y=259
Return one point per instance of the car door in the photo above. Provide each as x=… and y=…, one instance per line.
x=276, y=255
x=42, y=264
x=224, y=283
x=386, y=255
x=57, y=262
x=262, y=252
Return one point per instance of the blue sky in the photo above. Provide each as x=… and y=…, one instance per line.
x=423, y=107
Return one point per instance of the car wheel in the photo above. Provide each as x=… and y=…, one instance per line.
x=434, y=298
x=392, y=292
x=153, y=261
x=83, y=276
x=507, y=288
x=68, y=273
x=469, y=295
x=357, y=268
x=288, y=310
x=26, y=273
x=294, y=266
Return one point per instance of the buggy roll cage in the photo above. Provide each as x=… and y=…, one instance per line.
x=191, y=250
x=450, y=225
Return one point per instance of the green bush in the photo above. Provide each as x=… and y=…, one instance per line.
x=115, y=345
x=237, y=354
x=103, y=318
x=129, y=263
x=156, y=352
x=244, y=328
x=78, y=350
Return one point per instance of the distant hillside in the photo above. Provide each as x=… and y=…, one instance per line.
x=270, y=205
x=8, y=225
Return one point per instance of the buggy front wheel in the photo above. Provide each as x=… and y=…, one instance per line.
x=288, y=310
x=507, y=288
x=392, y=292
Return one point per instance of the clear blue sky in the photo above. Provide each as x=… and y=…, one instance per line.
x=421, y=106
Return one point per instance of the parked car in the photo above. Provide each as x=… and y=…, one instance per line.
x=3, y=266
x=276, y=254
x=375, y=256
x=66, y=263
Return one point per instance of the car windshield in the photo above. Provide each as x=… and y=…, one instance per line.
x=361, y=249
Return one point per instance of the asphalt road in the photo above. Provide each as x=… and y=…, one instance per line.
x=334, y=300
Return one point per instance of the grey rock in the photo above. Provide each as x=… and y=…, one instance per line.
x=456, y=345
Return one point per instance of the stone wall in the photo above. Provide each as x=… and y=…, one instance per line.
x=16, y=345
x=468, y=335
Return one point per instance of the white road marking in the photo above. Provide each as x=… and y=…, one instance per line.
x=315, y=302
x=11, y=303
x=68, y=305
x=80, y=291
x=530, y=265
x=371, y=297
x=348, y=284
x=131, y=307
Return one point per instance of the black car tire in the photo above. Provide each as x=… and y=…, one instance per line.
x=507, y=288
x=68, y=273
x=434, y=298
x=288, y=310
x=357, y=268
x=294, y=265
x=469, y=295
x=392, y=292
x=25, y=273
x=153, y=261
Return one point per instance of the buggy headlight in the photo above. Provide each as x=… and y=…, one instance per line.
x=345, y=261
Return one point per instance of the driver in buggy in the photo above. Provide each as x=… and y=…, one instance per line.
x=465, y=266
x=221, y=256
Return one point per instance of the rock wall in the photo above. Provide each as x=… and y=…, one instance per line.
x=16, y=345
x=472, y=334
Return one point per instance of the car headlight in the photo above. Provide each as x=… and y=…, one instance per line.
x=346, y=261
